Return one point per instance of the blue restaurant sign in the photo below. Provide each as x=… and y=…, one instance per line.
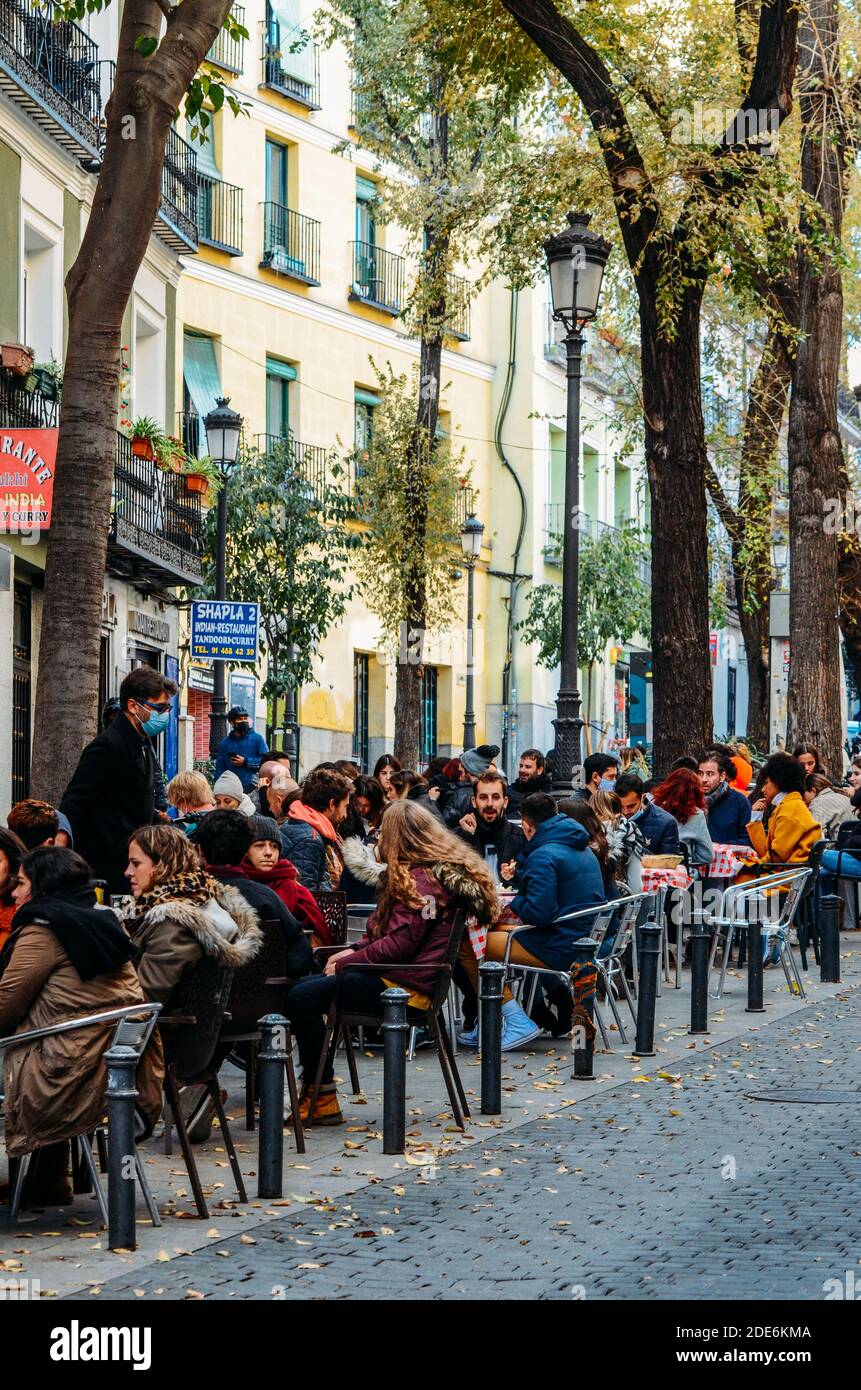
x=224, y=631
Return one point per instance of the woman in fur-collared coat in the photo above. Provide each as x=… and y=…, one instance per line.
x=180, y=914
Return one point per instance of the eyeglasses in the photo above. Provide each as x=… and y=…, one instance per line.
x=156, y=708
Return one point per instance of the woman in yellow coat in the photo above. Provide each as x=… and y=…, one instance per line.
x=792, y=832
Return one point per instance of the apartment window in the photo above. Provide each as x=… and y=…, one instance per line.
x=276, y=173
x=279, y=375
x=731, y=675
x=428, y=731
x=361, y=662
x=366, y=404
x=366, y=225
x=42, y=295
x=201, y=389
x=148, y=364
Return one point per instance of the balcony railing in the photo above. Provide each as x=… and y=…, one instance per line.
x=24, y=409
x=278, y=47
x=227, y=52
x=156, y=533
x=457, y=317
x=291, y=244
x=219, y=214
x=176, y=223
x=53, y=72
x=378, y=277
x=309, y=459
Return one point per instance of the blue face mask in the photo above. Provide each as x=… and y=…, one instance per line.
x=605, y=785
x=156, y=724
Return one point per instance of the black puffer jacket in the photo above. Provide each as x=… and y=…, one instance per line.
x=306, y=850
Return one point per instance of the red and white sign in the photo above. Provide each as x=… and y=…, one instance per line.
x=27, y=459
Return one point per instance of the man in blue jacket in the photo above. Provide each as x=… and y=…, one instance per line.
x=660, y=830
x=727, y=810
x=242, y=751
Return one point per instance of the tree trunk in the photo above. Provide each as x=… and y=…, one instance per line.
x=673, y=421
x=676, y=463
x=147, y=94
x=412, y=646
x=432, y=317
x=815, y=452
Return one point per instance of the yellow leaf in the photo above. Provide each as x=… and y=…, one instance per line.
x=247, y=1240
x=193, y=1293
x=491, y=1173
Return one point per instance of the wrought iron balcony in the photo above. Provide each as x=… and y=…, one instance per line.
x=378, y=277
x=176, y=223
x=457, y=318
x=227, y=52
x=219, y=214
x=278, y=45
x=53, y=72
x=291, y=244
x=156, y=534
x=25, y=409
x=309, y=459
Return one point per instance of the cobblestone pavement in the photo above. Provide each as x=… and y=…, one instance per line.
x=674, y=1186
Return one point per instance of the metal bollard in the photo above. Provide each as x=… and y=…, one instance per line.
x=700, y=940
x=584, y=979
x=491, y=976
x=121, y=1096
x=754, y=968
x=271, y=1061
x=829, y=939
x=650, y=950
x=395, y=1029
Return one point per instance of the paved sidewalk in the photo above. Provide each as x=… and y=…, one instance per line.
x=634, y=1186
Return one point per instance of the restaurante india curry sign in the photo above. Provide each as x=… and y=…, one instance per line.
x=27, y=459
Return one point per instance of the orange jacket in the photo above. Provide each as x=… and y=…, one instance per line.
x=743, y=773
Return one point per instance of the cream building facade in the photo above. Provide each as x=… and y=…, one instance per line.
x=268, y=281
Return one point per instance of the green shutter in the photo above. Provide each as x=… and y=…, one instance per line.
x=366, y=189
x=274, y=367
x=200, y=370
x=367, y=397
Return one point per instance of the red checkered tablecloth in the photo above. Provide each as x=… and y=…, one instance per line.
x=728, y=860
x=653, y=879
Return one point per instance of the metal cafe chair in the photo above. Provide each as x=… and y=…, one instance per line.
x=134, y=1026
x=734, y=916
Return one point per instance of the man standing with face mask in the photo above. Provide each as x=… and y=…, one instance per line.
x=242, y=751
x=112, y=791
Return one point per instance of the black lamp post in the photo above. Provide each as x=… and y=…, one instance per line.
x=575, y=259
x=304, y=490
x=470, y=538
x=223, y=427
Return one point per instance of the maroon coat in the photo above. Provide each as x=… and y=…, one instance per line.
x=416, y=936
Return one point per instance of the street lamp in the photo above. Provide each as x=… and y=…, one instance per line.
x=223, y=427
x=470, y=539
x=575, y=260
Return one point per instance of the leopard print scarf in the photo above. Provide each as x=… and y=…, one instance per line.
x=193, y=887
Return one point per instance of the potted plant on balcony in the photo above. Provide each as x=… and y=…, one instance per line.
x=147, y=438
x=17, y=358
x=48, y=379
x=202, y=477
x=170, y=454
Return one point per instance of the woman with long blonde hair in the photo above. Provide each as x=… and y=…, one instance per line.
x=429, y=876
